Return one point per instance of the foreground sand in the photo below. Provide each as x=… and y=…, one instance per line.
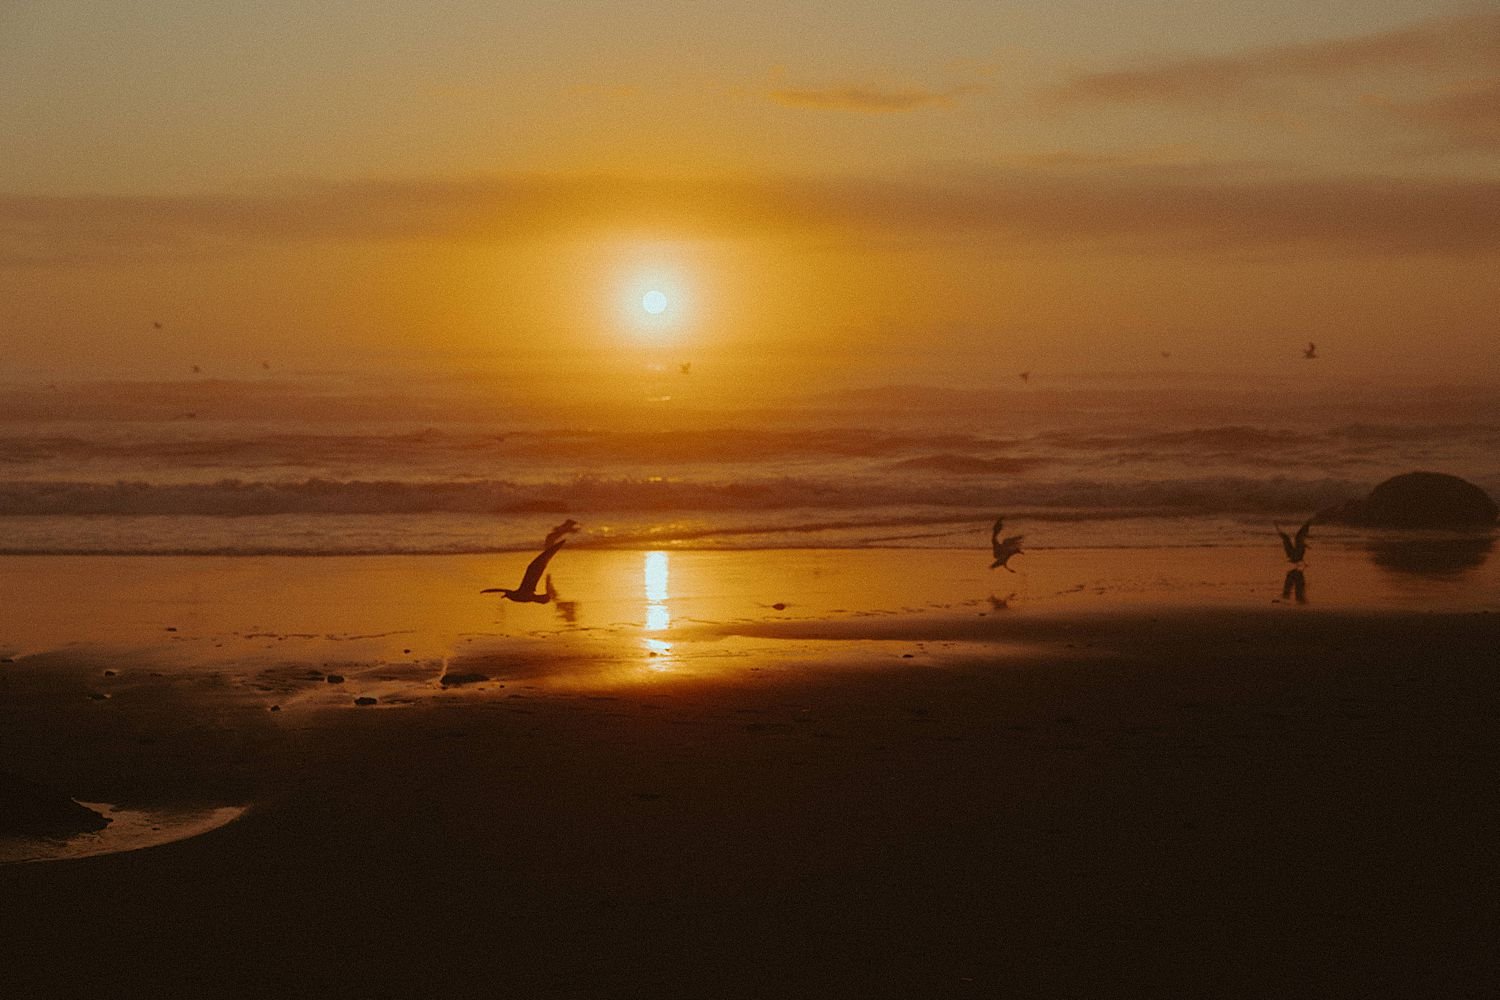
x=1184, y=790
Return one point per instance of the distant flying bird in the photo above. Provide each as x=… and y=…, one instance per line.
x=1026, y=376
x=526, y=593
x=1295, y=548
x=1004, y=547
x=156, y=324
x=197, y=370
x=686, y=368
x=266, y=365
x=1310, y=351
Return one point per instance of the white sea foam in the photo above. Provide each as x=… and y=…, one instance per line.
x=833, y=471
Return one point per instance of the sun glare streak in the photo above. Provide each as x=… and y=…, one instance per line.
x=656, y=577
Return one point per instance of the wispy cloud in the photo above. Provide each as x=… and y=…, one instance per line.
x=1464, y=116
x=1142, y=209
x=869, y=99
x=1440, y=43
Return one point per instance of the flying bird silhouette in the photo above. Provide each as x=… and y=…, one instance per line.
x=156, y=324
x=1294, y=547
x=197, y=370
x=568, y=527
x=1004, y=547
x=526, y=592
x=1310, y=351
x=686, y=368
x=1026, y=376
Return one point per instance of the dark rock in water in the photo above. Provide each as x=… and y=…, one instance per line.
x=364, y=700
x=31, y=810
x=1419, y=500
x=335, y=678
x=458, y=680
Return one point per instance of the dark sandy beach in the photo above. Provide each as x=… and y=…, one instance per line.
x=1137, y=801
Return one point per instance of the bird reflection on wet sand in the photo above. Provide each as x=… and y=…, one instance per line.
x=1294, y=585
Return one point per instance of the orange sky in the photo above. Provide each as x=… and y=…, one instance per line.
x=1039, y=186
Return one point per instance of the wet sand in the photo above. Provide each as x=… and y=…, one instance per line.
x=1162, y=783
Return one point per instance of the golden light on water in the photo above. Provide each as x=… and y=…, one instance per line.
x=656, y=577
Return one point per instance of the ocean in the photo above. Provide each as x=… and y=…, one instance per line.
x=320, y=464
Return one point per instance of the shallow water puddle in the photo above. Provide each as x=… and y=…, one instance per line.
x=128, y=830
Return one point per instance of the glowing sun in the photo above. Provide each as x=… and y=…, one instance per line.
x=654, y=302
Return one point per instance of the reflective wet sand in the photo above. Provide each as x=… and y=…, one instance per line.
x=913, y=778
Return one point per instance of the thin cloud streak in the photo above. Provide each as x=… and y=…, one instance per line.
x=1465, y=116
x=869, y=100
x=1441, y=43
x=1131, y=210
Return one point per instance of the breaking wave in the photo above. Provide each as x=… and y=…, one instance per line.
x=185, y=445
x=240, y=498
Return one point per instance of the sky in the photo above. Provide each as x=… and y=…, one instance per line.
x=953, y=190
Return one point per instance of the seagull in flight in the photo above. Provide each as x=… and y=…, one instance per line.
x=1294, y=547
x=1310, y=351
x=526, y=592
x=1004, y=547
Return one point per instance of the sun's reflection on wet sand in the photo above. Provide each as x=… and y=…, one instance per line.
x=656, y=576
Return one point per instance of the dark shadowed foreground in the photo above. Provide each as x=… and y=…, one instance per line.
x=1226, y=803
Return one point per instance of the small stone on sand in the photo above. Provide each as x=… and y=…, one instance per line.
x=458, y=680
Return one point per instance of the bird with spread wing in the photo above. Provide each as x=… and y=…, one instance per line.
x=526, y=592
x=1004, y=547
x=1295, y=547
